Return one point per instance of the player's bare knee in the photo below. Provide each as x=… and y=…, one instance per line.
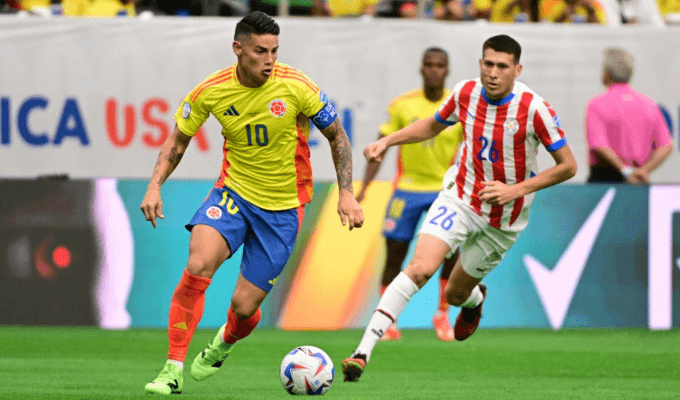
x=418, y=275
x=197, y=267
x=242, y=310
x=243, y=315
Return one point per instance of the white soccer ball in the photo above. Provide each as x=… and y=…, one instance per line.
x=307, y=370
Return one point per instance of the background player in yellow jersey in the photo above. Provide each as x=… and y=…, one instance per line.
x=258, y=202
x=420, y=172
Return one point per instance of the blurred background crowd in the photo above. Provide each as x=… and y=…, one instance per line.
x=605, y=12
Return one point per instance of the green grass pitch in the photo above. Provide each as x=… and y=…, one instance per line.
x=87, y=363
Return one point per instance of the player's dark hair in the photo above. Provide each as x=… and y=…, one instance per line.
x=435, y=50
x=504, y=44
x=257, y=23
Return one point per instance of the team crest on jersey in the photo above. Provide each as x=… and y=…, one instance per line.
x=214, y=212
x=277, y=108
x=390, y=225
x=186, y=110
x=510, y=126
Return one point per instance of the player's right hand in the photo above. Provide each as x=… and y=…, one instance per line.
x=375, y=151
x=152, y=206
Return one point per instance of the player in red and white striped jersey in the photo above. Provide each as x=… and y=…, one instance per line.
x=501, y=140
x=485, y=201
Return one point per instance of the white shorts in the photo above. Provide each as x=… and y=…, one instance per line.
x=482, y=246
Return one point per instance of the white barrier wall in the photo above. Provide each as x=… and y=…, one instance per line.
x=95, y=98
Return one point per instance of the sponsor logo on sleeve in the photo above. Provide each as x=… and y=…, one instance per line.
x=557, y=122
x=186, y=110
x=322, y=96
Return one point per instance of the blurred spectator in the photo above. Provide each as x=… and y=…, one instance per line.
x=507, y=11
x=670, y=11
x=32, y=4
x=111, y=8
x=73, y=8
x=402, y=9
x=573, y=11
x=10, y=6
x=183, y=7
x=644, y=12
x=628, y=12
x=44, y=8
x=626, y=133
x=317, y=8
x=462, y=10
x=353, y=8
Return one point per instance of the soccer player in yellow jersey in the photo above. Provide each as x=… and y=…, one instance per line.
x=420, y=172
x=258, y=202
x=109, y=9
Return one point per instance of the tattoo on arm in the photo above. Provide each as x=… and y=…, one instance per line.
x=342, y=153
x=174, y=157
x=164, y=171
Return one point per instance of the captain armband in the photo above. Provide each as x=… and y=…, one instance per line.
x=325, y=116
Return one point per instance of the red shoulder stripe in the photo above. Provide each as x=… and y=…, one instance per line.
x=297, y=78
x=221, y=77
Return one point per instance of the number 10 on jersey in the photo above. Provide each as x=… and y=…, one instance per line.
x=260, y=133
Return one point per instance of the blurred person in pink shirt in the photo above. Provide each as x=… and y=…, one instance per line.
x=626, y=133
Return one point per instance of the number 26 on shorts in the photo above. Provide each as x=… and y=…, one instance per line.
x=447, y=222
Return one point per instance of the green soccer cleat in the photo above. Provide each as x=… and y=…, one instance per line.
x=210, y=360
x=169, y=381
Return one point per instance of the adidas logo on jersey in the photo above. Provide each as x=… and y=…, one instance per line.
x=232, y=111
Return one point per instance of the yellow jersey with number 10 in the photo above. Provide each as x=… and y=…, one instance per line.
x=266, y=132
x=421, y=166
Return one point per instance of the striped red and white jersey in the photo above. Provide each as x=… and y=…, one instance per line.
x=500, y=144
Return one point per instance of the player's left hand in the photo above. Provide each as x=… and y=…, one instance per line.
x=497, y=193
x=349, y=210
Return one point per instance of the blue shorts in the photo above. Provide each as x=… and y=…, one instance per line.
x=267, y=237
x=404, y=212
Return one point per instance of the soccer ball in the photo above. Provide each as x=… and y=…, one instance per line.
x=307, y=370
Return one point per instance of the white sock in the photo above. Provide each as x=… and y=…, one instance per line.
x=180, y=364
x=391, y=304
x=475, y=298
